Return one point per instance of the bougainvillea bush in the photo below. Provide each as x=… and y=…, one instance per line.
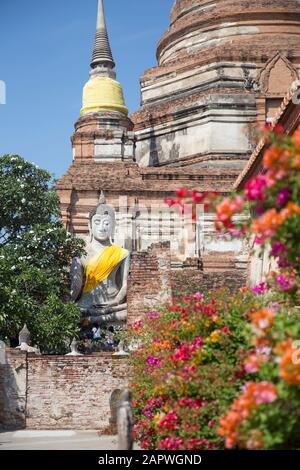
x=188, y=368
x=266, y=415
x=225, y=371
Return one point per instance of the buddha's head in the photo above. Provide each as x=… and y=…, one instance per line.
x=102, y=221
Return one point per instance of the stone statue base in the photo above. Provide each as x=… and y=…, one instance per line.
x=107, y=316
x=100, y=328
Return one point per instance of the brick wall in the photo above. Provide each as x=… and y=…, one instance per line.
x=13, y=371
x=215, y=271
x=149, y=282
x=59, y=392
x=189, y=281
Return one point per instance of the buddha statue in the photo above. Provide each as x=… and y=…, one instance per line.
x=99, y=279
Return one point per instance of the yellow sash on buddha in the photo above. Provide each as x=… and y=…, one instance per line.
x=100, y=266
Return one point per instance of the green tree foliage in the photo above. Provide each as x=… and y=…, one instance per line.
x=35, y=255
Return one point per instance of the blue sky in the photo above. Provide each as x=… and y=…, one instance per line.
x=45, y=52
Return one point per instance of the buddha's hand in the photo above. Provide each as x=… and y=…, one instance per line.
x=112, y=303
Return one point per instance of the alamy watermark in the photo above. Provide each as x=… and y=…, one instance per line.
x=2, y=92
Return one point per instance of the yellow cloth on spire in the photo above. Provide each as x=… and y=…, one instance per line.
x=100, y=266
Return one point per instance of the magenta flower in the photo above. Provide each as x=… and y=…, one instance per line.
x=154, y=315
x=278, y=249
x=283, y=196
x=284, y=283
x=260, y=288
x=255, y=188
x=153, y=361
x=147, y=413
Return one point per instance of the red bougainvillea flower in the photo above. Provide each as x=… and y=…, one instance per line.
x=169, y=421
x=182, y=193
x=171, y=443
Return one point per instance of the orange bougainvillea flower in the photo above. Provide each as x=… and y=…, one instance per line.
x=290, y=210
x=274, y=156
x=254, y=395
x=263, y=319
x=253, y=362
x=289, y=366
x=227, y=208
x=161, y=345
x=267, y=224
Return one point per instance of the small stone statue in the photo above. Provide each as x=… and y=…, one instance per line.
x=125, y=422
x=120, y=350
x=24, y=342
x=99, y=279
x=24, y=339
x=74, y=350
x=2, y=352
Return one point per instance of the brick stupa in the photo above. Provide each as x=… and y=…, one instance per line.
x=222, y=65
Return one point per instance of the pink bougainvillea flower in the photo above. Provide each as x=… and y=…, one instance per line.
x=198, y=297
x=154, y=315
x=265, y=392
x=153, y=361
x=260, y=288
x=255, y=187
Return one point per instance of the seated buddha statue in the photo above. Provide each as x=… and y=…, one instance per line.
x=99, y=279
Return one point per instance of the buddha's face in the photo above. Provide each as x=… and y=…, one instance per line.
x=102, y=227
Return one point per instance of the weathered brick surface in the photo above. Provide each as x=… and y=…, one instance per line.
x=66, y=392
x=13, y=377
x=189, y=16
x=149, y=281
x=190, y=281
x=59, y=392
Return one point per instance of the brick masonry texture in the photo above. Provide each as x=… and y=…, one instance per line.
x=13, y=389
x=59, y=392
x=149, y=281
